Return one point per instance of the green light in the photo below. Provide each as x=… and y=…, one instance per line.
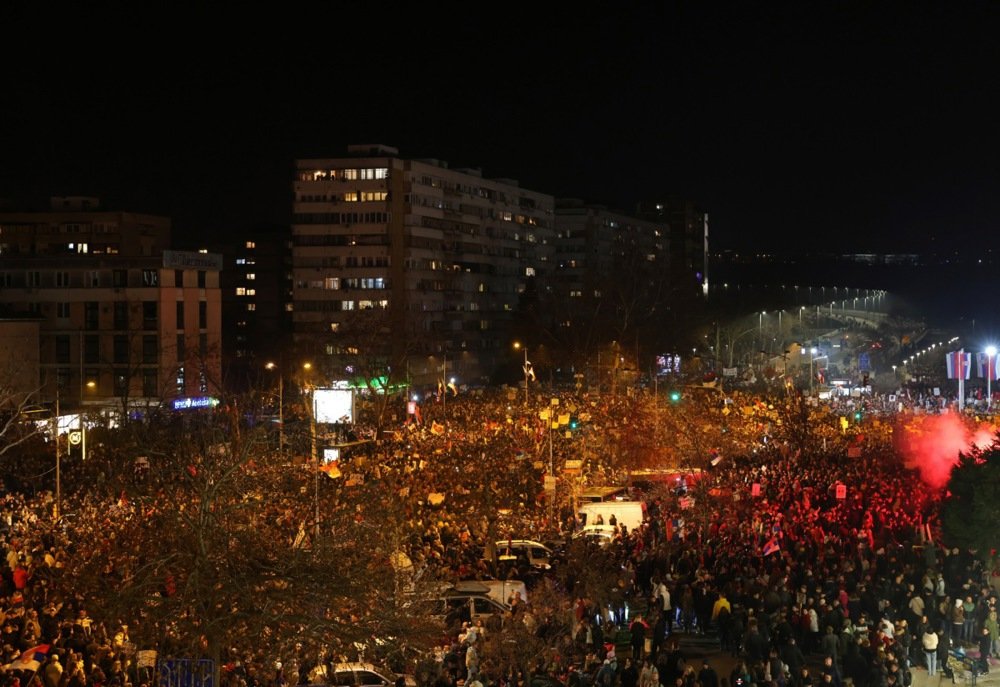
x=675, y=396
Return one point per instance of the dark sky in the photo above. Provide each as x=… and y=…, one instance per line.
x=849, y=126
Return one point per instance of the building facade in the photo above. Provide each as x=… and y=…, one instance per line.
x=256, y=285
x=611, y=280
x=412, y=263
x=123, y=319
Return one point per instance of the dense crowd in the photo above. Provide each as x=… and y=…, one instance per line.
x=785, y=548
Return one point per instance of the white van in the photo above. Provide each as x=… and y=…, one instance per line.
x=498, y=590
x=628, y=513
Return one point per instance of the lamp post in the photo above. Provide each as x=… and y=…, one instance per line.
x=307, y=367
x=991, y=351
x=58, y=511
x=92, y=385
x=281, y=405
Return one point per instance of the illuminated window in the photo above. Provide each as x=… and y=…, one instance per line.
x=251, y=292
x=350, y=174
x=381, y=172
x=334, y=326
x=251, y=276
x=241, y=291
x=529, y=271
x=331, y=283
x=351, y=197
x=251, y=307
x=369, y=196
x=347, y=305
x=251, y=244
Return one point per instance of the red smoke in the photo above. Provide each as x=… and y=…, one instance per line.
x=931, y=443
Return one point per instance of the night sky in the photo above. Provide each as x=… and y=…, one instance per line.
x=804, y=125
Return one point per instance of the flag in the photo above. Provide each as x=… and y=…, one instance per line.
x=771, y=546
x=959, y=364
x=31, y=660
x=453, y=388
x=529, y=371
x=986, y=366
x=437, y=427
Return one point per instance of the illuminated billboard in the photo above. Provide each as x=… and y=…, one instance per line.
x=334, y=406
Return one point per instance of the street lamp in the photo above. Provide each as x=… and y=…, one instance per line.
x=281, y=405
x=991, y=351
x=58, y=510
x=307, y=367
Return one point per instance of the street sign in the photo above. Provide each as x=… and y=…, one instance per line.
x=864, y=362
x=75, y=437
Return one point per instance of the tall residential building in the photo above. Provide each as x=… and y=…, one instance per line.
x=123, y=320
x=411, y=263
x=689, y=250
x=611, y=280
x=256, y=284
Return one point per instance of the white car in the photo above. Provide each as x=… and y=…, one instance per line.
x=536, y=553
x=598, y=534
x=360, y=675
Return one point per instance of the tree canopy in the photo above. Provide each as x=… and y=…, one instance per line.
x=970, y=513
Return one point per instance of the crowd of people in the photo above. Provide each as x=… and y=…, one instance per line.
x=786, y=548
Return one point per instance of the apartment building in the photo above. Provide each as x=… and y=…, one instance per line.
x=412, y=262
x=256, y=285
x=611, y=274
x=123, y=320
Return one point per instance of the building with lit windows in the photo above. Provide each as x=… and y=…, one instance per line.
x=611, y=273
x=256, y=284
x=123, y=320
x=412, y=262
x=688, y=234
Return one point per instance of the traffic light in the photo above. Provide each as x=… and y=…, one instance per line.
x=857, y=416
x=675, y=396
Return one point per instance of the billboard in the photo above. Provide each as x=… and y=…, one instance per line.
x=668, y=364
x=334, y=406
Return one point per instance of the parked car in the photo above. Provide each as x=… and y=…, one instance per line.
x=535, y=553
x=597, y=534
x=360, y=675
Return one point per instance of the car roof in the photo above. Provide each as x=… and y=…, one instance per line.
x=346, y=667
x=471, y=595
x=521, y=542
